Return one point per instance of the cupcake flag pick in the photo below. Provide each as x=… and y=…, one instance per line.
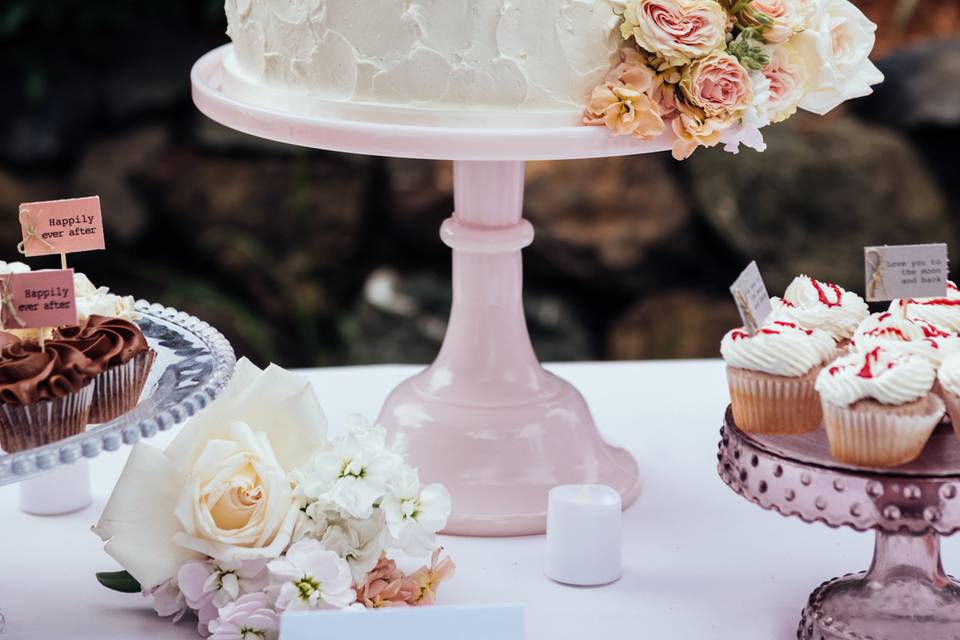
x=750, y=294
x=37, y=300
x=906, y=271
x=61, y=226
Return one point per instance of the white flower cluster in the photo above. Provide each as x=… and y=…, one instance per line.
x=254, y=510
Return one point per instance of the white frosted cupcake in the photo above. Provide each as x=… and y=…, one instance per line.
x=98, y=301
x=944, y=312
x=879, y=407
x=813, y=304
x=949, y=379
x=772, y=374
x=897, y=334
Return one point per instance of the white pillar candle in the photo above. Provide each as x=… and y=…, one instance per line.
x=584, y=544
x=64, y=489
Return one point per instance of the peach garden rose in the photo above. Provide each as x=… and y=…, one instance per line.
x=718, y=84
x=676, y=30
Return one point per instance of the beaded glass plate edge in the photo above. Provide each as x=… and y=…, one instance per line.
x=194, y=363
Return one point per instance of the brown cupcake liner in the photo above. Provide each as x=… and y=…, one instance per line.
x=880, y=436
x=774, y=405
x=117, y=390
x=24, y=426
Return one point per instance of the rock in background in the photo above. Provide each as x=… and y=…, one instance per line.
x=312, y=258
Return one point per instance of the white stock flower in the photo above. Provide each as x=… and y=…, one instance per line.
x=754, y=118
x=413, y=516
x=352, y=476
x=208, y=586
x=250, y=617
x=359, y=542
x=221, y=488
x=311, y=577
x=836, y=50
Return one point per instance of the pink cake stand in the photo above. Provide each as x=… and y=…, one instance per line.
x=485, y=418
x=905, y=595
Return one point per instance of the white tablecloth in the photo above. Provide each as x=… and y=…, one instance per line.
x=700, y=562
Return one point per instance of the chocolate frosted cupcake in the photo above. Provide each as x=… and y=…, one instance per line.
x=120, y=349
x=45, y=393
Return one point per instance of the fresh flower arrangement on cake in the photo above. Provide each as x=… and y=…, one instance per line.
x=718, y=71
x=254, y=510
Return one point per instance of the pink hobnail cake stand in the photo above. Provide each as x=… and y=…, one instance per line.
x=485, y=418
x=905, y=594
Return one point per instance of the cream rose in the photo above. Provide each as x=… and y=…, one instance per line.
x=718, y=84
x=788, y=78
x=222, y=487
x=677, y=30
x=836, y=51
x=778, y=20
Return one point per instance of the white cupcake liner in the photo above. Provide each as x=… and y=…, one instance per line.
x=774, y=405
x=117, y=390
x=23, y=426
x=880, y=437
x=952, y=402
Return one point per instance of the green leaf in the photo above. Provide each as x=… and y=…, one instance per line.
x=119, y=581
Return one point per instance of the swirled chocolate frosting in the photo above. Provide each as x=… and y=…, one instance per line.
x=29, y=373
x=107, y=341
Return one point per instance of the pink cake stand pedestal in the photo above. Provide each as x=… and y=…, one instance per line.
x=905, y=594
x=485, y=418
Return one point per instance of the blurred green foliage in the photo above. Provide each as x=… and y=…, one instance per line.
x=36, y=36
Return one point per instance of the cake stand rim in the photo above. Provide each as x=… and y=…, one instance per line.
x=426, y=142
x=739, y=475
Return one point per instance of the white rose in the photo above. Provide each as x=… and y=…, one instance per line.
x=836, y=51
x=221, y=489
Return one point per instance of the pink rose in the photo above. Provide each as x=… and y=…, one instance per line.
x=788, y=82
x=778, y=19
x=718, y=84
x=676, y=30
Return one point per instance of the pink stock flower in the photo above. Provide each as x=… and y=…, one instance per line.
x=209, y=585
x=387, y=586
x=625, y=111
x=250, y=617
x=429, y=578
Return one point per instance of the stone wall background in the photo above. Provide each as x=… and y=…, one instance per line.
x=313, y=258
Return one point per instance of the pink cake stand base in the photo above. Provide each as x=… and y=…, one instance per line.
x=484, y=419
x=905, y=594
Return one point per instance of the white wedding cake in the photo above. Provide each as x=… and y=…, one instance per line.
x=447, y=62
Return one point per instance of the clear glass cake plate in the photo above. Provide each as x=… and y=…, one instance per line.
x=194, y=362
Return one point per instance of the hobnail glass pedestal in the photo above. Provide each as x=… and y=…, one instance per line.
x=485, y=418
x=905, y=594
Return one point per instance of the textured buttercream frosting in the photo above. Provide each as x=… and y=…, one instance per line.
x=895, y=333
x=949, y=374
x=943, y=311
x=778, y=348
x=506, y=55
x=98, y=301
x=879, y=374
x=821, y=305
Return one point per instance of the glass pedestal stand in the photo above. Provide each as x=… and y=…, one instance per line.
x=484, y=419
x=905, y=595
x=194, y=363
